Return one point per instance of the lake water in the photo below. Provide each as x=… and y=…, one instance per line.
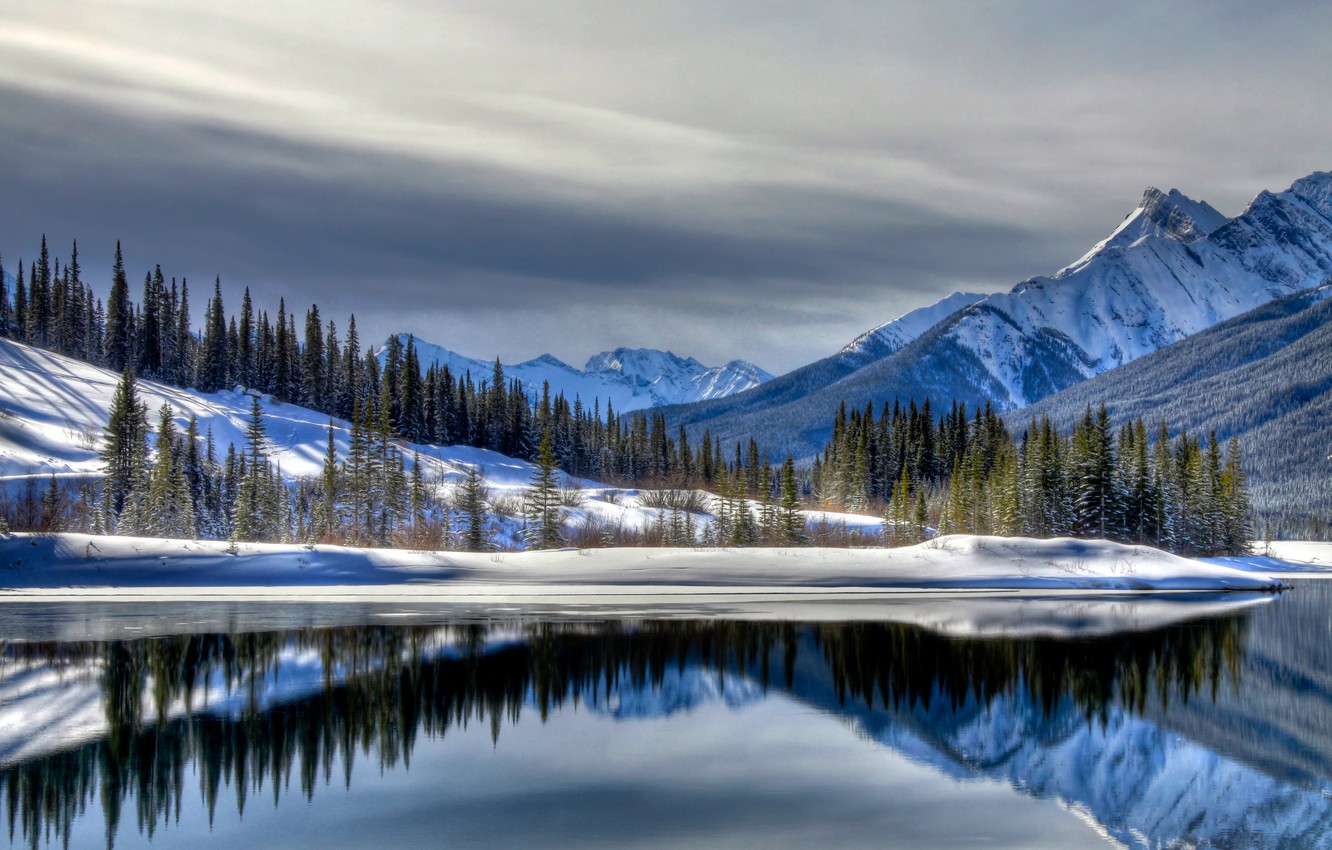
x=342, y=726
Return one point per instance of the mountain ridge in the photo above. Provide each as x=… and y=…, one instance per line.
x=626, y=378
x=1170, y=269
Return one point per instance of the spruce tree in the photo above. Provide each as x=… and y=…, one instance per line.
x=326, y=515
x=124, y=450
x=119, y=331
x=790, y=520
x=543, y=511
x=471, y=503
x=313, y=381
x=1237, y=512
x=256, y=503
x=213, y=356
x=5, y=311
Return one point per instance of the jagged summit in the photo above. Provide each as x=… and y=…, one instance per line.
x=1169, y=215
x=639, y=361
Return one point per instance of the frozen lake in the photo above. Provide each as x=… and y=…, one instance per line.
x=1001, y=722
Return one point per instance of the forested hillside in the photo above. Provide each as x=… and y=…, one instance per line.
x=1264, y=377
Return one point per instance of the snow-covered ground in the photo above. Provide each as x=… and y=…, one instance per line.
x=96, y=567
x=53, y=411
x=1286, y=558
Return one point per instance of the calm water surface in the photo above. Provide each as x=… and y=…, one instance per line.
x=307, y=726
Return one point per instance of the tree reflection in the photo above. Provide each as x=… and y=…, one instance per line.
x=383, y=687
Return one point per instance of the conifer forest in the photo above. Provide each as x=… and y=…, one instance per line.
x=923, y=473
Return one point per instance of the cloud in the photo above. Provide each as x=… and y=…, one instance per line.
x=737, y=179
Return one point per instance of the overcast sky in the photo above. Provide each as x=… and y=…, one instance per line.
x=724, y=179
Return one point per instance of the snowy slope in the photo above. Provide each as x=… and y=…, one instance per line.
x=1173, y=268
x=891, y=337
x=53, y=410
x=627, y=378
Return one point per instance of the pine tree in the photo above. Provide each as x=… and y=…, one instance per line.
x=791, y=522
x=313, y=381
x=543, y=511
x=921, y=518
x=53, y=507
x=6, y=315
x=326, y=519
x=471, y=503
x=1092, y=471
x=125, y=444
x=213, y=356
x=256, y=503
x=170, y=508
x=245, y=370
x=416, y=502
x=119, y=331
x=896, y=517
x=1236, y=510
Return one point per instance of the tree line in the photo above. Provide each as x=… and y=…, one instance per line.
x=330, y=371
x=968, y=474
x=954, y=473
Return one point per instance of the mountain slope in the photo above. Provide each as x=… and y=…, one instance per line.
x=1173, y=268
x=54, y=409
x=891, y=337
x=1264, y=376
x=627, y=378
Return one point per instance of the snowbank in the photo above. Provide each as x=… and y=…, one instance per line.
x=84, y=565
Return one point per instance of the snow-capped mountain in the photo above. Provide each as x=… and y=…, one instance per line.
x=627, y=378
x=1172, y=268
x=891, y=337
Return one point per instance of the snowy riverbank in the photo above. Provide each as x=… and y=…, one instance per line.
x=78, y=565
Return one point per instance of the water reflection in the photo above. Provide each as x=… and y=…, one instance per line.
x=142, y=728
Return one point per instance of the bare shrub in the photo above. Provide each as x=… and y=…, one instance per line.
x=505, y=503
x=89, y=439
x=693, y=501
x=841, y=536
x=572, y=495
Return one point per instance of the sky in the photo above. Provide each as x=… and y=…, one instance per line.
x=722, y=179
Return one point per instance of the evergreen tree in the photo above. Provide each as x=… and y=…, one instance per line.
x=543, y=511
x=313, y=381
x=125, y=445
x=1092, y=473
x=119, y=322
x=471, y=503
x=790, y=521
x=326, y=522
x=256, y=516
x=19, y=320
x=1237, y=531
x=170, y=508
x=213, y=356
x=6, y=314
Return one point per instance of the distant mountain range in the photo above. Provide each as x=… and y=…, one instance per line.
x=1172, y=268
x=628, y=378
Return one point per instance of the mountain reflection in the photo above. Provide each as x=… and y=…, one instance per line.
x=218, y=710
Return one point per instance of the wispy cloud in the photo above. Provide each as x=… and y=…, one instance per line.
x=818, y=167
